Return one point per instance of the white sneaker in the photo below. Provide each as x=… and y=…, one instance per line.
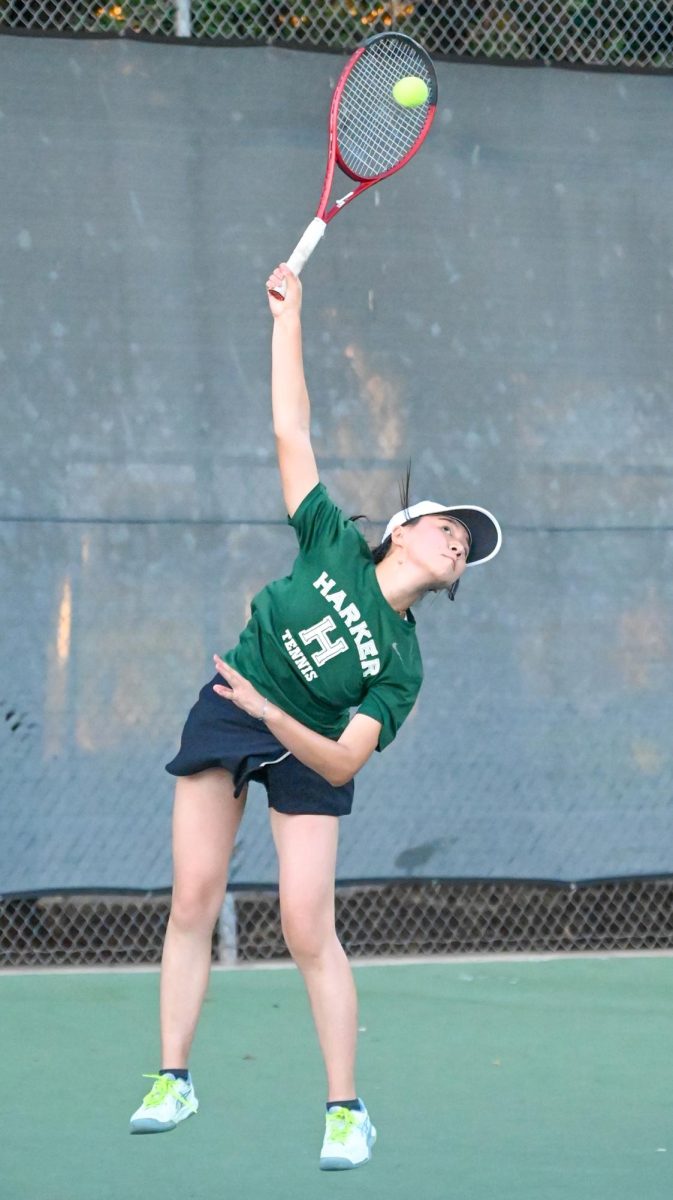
x=349, y=1137
x=170, y=1101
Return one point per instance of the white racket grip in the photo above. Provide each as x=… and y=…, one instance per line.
x=306, y=245
x=303, y=251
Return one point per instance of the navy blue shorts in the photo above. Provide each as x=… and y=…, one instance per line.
x=218, y=734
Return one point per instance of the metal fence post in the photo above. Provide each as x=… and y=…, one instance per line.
x=226, y=927
x=183, y=18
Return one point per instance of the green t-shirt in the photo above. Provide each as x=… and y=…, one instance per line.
x=324, y=639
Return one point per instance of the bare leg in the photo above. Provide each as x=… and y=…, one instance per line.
x=307, y=847
x=206, y=818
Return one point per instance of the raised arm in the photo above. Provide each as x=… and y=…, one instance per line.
x=289, y=397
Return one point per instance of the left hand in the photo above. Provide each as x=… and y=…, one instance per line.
x=239, y=690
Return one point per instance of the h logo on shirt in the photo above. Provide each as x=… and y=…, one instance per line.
x=318, y=633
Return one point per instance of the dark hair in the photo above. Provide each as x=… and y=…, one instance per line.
x=380, y=551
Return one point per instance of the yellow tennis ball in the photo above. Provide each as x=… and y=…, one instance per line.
x=411, y=92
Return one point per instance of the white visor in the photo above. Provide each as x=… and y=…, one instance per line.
x=484, y=530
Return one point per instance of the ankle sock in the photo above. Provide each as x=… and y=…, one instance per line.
x=355, y=1105
x=183, y=1073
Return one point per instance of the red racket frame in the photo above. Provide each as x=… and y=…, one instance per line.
x=333, y=155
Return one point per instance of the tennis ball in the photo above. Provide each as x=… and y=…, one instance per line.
x=411, y=92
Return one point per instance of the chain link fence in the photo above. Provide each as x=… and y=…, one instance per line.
x=614, y=33
x=372, y=920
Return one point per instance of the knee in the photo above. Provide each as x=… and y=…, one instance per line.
x=308, y=936
x=196, y=905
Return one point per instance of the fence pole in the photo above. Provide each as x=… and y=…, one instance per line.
x=228, y=940
x=183, y=18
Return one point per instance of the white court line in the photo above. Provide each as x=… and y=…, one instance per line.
x=407, y=961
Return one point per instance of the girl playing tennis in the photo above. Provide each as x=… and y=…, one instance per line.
x=336, y=634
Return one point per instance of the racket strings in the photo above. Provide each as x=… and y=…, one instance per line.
x=374, y=132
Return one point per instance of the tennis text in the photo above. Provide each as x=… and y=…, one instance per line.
x=300, y=660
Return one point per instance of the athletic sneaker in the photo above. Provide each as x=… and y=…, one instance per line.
x=349, y=1137
x=170, y=1101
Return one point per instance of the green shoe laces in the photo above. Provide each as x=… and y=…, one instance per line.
x=340, y=1122
x=164, y=1086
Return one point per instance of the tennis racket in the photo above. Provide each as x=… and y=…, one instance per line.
x=371, y=134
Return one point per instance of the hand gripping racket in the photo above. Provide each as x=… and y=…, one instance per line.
x=372, y=134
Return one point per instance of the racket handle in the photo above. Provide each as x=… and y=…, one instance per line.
x=302, y=252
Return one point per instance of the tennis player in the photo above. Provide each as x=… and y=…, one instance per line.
x=337, y=634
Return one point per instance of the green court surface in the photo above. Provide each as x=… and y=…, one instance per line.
x=506, y=1080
